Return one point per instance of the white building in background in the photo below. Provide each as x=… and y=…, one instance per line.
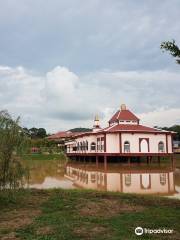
x=123, y=137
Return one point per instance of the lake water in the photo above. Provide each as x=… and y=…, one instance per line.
x=137, y=178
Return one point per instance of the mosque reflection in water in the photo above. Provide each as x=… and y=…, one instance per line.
x=122, y=179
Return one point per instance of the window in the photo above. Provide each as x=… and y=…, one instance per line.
x=81, y=146
x=74, y=149
x=78, y=146
x=161, y=147
x=93, y=146
x=98, y=143
x=86, y=145
x=102, y=147
x=93, y=177
x=126, y=146
x=163, y=178
x=128, y=179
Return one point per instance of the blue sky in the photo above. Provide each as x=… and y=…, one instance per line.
x=61, y=61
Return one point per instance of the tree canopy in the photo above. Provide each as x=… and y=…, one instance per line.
x=35, y=132
x=11, y=139
x=80, y=129
x=172, y=48
x=174, y=128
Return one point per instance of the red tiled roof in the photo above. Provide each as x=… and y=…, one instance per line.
x=63, y=134
x=123, y=115
x=131, y=127
x=124, y=128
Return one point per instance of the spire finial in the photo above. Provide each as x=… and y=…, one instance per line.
x=96, y=125
x=123, y=107
x=96, y=117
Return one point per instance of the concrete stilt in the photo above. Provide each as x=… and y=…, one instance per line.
x=97, y=161
x=105, y=163
x=172, y=161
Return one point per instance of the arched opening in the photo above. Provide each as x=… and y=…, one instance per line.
x=160, y=147
x=162, y=178
x=126, y=146
x=81, y=146
x=86, y=145
x=128, y=179
x=145, y=181
x=93, y=146
x=144, y=146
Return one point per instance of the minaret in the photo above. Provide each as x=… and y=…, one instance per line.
x=96, y=125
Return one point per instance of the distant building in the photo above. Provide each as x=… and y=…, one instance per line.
x=176, y=146
x=124, y=137
x=61, y=137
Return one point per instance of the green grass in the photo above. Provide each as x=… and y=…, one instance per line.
x=83, y=214
x=39, y=156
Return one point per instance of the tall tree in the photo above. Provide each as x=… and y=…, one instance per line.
x=41, y=133
x=11, y=139
x=172, y=48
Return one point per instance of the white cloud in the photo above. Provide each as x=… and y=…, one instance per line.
x=161, y=117
x=61, y=99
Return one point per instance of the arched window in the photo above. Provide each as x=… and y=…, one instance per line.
x=78, y=146
x=81, y=146
x=126, y=146
x=93, y=146
x=93, y=177
x=128, y=179
x=160, y=147
x=162, y=178
x=86, y=145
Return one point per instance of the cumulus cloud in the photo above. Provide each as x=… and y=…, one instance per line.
x=61, y=99
x=88, y=35
x=161, y=117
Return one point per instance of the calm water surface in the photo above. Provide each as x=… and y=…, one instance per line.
x=142, y=179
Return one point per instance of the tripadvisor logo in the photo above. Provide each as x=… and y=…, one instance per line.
x=139, y=231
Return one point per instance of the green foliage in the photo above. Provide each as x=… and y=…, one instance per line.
x=175, y=128
x=172, y=48
x=35, y=133
x=66, y=214
x=11, y=140
x=81, y=130
x=44, y=157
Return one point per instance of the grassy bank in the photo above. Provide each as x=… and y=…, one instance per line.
x=40, y=156
x=79, y=214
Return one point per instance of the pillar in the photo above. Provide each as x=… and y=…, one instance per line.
x=172, y=161
x=105, y=163
x=97, y=162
